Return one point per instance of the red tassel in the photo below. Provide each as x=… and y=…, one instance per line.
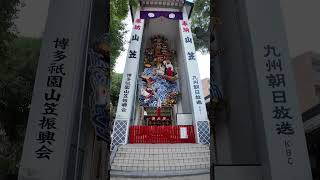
x=158, y=111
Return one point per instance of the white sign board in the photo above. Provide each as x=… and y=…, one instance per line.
x=184, y=119
x=127, y=93
x=183, y=133
x=55, y=94
x=198, y=103
x=199, y=110
x=128, y=86
x=281, y=123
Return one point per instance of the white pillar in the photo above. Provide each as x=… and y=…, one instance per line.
x=55, y=100
x=128, y=87
x=200, y=117
x=283, y=147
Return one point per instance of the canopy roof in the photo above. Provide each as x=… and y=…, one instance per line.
x=178, y=4
x=165, y=3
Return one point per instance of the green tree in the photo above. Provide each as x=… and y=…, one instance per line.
x=8, y=12
x=17, y=79
x=17, y=74
x=116, y=80
x=200, y=22
x=118, y=12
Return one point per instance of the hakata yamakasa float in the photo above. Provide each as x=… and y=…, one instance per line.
x=161, y=127
x=161, y=98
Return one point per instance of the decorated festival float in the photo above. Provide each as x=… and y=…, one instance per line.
x=158, y=83
x=161, y=98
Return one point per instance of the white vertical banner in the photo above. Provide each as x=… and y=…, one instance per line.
x=286, y=155
x=54, y=101
x=199, y=110
x=129, y=79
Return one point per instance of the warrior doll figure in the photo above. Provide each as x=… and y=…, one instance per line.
x=147, y=93
x=159, y=70
x=147, y=79
x=170, y=75
x=169, y=68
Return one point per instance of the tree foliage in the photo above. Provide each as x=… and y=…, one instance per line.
x=17, y=74
x=116, y=80
x=8, y=12
x=200, y=20
x=118, y=12
x=16, y=83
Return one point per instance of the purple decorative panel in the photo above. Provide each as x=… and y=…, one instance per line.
x=156, y=14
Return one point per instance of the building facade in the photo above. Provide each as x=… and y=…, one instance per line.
x=206, y=89
x=307, y=75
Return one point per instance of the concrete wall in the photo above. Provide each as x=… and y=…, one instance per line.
x=235, y=122
x=238, y=173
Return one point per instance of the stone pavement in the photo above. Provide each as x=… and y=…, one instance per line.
x=195, y=177
x=161, y=160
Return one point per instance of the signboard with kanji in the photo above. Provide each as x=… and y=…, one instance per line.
x=281, y=124
x=199, y=111
x=128, y=87
x=54, y=101
x=126, y=95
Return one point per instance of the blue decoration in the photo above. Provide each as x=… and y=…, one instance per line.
x=161, y=88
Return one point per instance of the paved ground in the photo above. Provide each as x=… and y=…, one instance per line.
x=161, y=161
x=161, y=158
x=195, y=177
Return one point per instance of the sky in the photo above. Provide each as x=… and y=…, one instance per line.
x=300, y=17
